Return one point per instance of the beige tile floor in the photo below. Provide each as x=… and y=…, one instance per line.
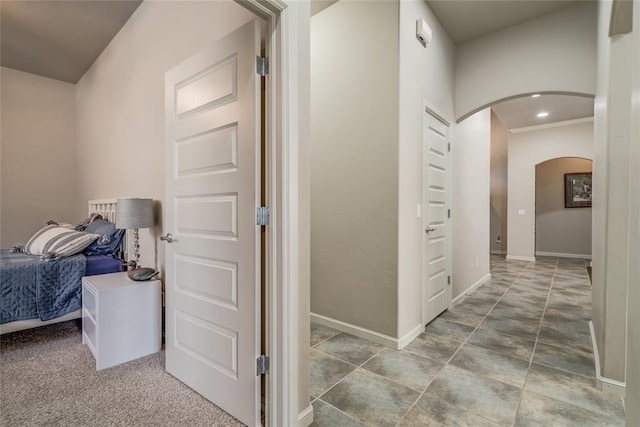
x=516, y=352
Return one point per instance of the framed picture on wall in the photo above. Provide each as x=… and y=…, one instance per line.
x=577, y=190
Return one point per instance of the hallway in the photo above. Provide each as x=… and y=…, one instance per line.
x=515, y=352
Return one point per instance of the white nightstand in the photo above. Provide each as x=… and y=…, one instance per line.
x=121, y=319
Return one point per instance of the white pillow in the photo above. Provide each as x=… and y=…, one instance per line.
x=57, y=241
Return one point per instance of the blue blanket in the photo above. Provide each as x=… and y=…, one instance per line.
x=31, y=288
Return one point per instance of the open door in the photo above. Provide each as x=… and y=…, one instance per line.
x=213, y=243
x=436, y=265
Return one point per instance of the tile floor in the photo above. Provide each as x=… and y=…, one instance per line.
x=516, y=352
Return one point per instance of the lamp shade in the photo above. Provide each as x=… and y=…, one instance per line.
x=134, y=213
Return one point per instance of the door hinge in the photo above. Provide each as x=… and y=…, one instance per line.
x=449, y=146
x=262, y=215
x=262, y=66
x=448, y=213
x=262, y=365
x=448, y=280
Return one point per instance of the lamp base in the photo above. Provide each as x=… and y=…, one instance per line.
x=130, y=265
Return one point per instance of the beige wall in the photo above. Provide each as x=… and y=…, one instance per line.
x=354, y=164
x=612, y=189
x=529, y=57
x=601, y=166
x=526, y=150
x=38, y=155
x=560, y=230
x=633, y=319
x=299, y=94
x=498, y=186
x=120, y=102
x=471, y=152
x=426, y=77
x=611, y=218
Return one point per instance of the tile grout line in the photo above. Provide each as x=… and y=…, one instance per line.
x=557, y=272
x=520, y=273
x=535, y=341
x=456, y=352
x=535, y=345
x=347, y=376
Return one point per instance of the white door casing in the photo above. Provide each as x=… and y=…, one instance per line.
x=436, y=262
x=213, y=176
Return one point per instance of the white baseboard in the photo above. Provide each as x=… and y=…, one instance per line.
x=497, y=252
x=521, y=258
x=413, y=334
x=386, y=340
x=563, y=255
x=471, y=288
x=305, y=418
x=605, y=384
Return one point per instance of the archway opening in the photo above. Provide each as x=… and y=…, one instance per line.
x=563, y=208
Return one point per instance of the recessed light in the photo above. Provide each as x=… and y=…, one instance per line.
x=535, y=95
x=542, y=114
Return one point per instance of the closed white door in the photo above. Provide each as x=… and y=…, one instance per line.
x=212, y=190
x=436, y=270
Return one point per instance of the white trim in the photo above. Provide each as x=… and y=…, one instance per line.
x=553, y=125
x=563, y=255
x=367, y=334
x=520, y=258
x=497, y=252
x=471, y=288
x=410, y=336
x=21, y=325
x=605, y=384
x=283, y=138
x=305, y=417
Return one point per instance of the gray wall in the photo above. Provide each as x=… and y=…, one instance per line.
x=528, y=58
x=611, y=191
x=38, y=155
x=498, y=185
x=426, y=77
x=560, y=230
x=370, y=81
x=528, y=148
x=633, y=319
x=354, y=164
x=470, y=201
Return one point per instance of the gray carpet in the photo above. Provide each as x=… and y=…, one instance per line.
x=48, y=377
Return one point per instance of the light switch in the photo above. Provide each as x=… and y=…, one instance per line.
x=419, y=211
x=520, y=211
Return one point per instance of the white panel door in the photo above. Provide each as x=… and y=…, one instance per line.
x=212, y=190
x=436, y=288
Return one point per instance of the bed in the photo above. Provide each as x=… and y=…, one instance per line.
x=36, y=291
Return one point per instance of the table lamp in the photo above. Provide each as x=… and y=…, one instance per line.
x=132, y=213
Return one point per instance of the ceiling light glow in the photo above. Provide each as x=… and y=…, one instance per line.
x=542, y=114
x=535, y=95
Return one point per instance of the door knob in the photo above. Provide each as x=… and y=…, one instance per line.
x=429, y=229
x=167, y=238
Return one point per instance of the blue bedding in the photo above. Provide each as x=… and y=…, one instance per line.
x=102, y=264
x=32, y=288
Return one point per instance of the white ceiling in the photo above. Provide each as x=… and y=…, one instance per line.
x=59, y=39
x=521, y=112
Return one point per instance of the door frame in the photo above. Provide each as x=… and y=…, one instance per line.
x=287, y=194
x=428, y=108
